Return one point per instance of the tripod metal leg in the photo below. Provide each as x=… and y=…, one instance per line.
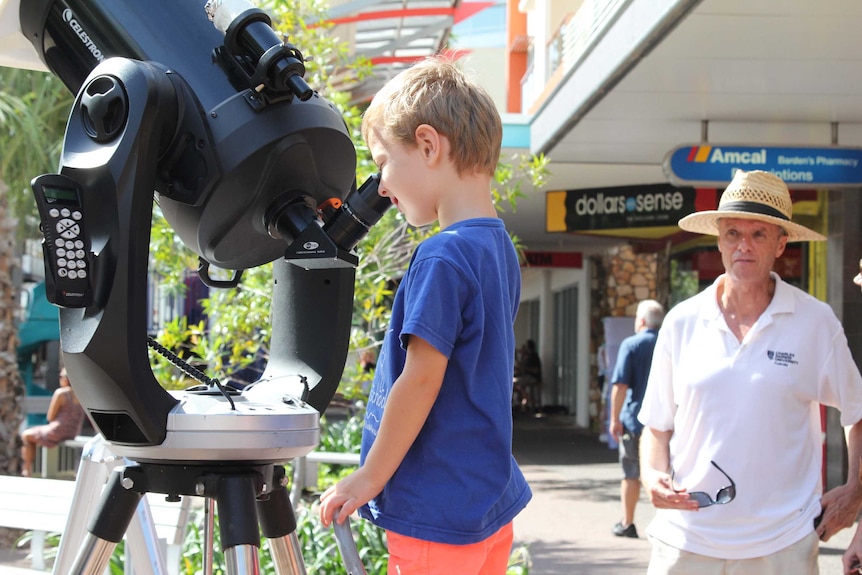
x=143, y=548
x=347, y=547
x=108, y=526
x=240, y=537
x=278, y=523
x=96, y=463
x=209, y=536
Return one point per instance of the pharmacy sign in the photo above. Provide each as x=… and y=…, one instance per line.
x=708, y=165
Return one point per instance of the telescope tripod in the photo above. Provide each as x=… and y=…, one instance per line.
x=245, y=495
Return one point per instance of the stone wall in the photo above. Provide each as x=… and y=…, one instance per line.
x=620, y=280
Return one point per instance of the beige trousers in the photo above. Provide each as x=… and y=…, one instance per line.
x=799, y=559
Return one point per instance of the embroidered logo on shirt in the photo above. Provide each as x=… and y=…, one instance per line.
x=783, y=358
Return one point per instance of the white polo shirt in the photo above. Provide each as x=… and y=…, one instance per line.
x=753, y=408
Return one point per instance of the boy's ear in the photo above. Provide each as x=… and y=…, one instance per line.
x=428, y=141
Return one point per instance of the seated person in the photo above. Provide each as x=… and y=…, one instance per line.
x=529, y=363
x=65, y=420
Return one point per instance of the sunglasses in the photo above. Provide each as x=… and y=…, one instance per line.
x=723, y=496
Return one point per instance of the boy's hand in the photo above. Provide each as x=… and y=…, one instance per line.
x=346, y=496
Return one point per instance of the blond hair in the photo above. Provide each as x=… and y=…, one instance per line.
x=435, y=92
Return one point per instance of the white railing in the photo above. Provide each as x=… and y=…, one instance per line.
x=586, y=28
x=577, y=35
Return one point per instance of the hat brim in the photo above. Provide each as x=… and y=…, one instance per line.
x=707, y=223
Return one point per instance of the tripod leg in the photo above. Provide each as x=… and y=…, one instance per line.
x=107, y=527
x=143, y=549
x=209, y=536
x=240, y=537
x=278, y=523
x=96, y=464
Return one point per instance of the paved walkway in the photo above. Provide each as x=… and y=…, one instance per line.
x=575, y=481
x=567, y=526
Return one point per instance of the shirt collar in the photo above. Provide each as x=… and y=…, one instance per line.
x=782, y=300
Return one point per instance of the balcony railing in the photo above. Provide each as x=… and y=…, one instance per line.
x=577, y=35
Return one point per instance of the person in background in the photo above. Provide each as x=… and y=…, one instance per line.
x=367, y=360
x=437, y=471
x=731, y=451
x=530, y=364
x=528, y=374
x=605, y=386
x=629, y=384
x=65, y=420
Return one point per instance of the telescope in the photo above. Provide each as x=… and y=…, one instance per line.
x=204, y=109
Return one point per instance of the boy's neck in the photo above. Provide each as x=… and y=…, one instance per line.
x=466, y=197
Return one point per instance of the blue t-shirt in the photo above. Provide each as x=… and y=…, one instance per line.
x=632, y=368
x=458, y=483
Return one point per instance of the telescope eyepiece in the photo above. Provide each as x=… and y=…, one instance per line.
x=359, y=212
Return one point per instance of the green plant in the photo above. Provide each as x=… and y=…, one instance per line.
x=683, y=283
x=338, y=436
x=319, y=548
x=341, y=435
x=519, y=561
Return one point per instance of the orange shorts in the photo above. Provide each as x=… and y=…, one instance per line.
x=409, y=556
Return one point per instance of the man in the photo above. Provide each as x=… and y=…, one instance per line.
x=629, y=384
x=731, y=448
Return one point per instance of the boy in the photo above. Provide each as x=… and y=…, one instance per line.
x=437, y=469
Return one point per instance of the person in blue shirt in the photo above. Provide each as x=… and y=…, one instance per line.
x=629, y=384
x=437, y=471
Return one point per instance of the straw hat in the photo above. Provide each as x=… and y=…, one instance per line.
x=755, y=195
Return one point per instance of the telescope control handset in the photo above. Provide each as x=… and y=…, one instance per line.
x=65, y=242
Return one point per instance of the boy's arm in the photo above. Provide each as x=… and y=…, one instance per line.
x=409, y=403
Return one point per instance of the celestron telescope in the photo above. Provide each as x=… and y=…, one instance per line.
x=203, y=108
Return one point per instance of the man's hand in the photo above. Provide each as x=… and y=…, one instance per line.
x=654, y=458
x=618, y=398
x=840, y=506
x=616, y=429
x=853, y=556
x=660, y=490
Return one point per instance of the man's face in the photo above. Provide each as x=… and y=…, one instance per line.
x=749, y=248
